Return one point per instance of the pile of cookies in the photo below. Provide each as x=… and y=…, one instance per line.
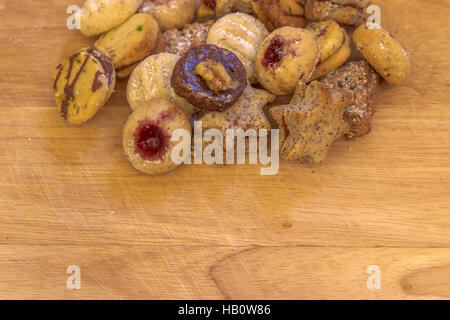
x=233, y=64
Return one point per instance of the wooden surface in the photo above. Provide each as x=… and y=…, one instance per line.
x=68, y=196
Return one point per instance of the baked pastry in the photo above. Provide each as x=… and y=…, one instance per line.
x=250, y=7
x=350, y=12
x=384, y=53
x=334, y=45
x=170, y=13
x=147, y=136
x=180, y=41
x=246, y=113
x=310, y=126
x=242, y=34
x=224, y=7
x=210, y=4
x=98, y=16
x=329, y=36
x=336, y=60
x=209, y=77
x=151, y=80
x=360, y=81
x=283, y=13
x=130, y=42
x=126, y=72
x=204, y=13
x=286, y=56
x=83, y=84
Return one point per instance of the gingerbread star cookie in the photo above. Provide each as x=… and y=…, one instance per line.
x=246, y=113
x=311, y=122
x=361, y=82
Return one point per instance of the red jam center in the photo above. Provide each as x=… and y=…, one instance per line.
x=274, y=53
x=150, y=141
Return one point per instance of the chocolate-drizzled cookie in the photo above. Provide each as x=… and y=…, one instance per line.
x=209, y=77
x=83, y=83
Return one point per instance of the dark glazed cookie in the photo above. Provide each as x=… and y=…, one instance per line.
x=209, y=77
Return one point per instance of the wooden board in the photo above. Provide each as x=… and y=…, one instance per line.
x=68, y=196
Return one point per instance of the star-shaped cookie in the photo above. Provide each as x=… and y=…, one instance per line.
x=311, y=122
x=246, y=113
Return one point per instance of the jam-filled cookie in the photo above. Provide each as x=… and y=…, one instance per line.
x=98, y=16
x=283, y=13
x=83, y=84
x=151, y=80
x=131, y=42
x=242, y=34
x=332, y=54
x=350, y=12
x=286, y=56
x=360, y=81
x=388, y=57
x=311, y=123
x=246, y=113
x=147, y=136
x=180, y=41
x=170, y=13
x=209, y=77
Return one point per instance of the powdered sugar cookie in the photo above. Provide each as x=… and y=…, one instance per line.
x=151, y=80
x=241, y=34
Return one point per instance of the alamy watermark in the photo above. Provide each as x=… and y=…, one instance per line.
x=374, y=19
x=209, y=146
x=213, y=152
x=374, y=280
x=74, y=280
x=74, y=20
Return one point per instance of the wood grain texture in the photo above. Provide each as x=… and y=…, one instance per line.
x=68, y=196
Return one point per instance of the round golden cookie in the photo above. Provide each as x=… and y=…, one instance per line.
x=147, y=136
x=335, y=61
x=242, y=34
x=170, y=13
x=83, y=83
x=151, y=80
x=98, y=16
x=329, y=36
x=385, y=54
x=288, y=55
x=130, y=42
